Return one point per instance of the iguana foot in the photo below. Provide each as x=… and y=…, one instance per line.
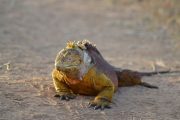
x=100, y=103
x=65, y=96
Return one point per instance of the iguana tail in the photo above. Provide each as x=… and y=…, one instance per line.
x=145, y=84
x=156, y=73
x=131, y=78
x=118, y=71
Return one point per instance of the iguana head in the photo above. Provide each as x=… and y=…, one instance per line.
x=73, y=61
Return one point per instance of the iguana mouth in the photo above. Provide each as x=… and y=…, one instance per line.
x=67, y=67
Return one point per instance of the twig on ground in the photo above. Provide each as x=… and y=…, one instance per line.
x=7, y=66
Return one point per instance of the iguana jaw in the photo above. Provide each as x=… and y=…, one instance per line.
x=63, y=67
x=75, y=72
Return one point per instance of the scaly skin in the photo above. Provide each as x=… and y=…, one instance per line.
x=81, y=69
x=93, y=83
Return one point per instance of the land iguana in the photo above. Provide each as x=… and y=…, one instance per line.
x=81, y=69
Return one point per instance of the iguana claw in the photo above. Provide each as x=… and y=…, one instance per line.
x=65, y=96
x=99, y=104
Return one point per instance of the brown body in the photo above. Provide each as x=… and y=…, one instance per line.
x=118, y=76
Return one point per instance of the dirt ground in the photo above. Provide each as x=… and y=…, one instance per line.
x=33, y=31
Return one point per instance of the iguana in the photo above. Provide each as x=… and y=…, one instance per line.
x=81, y=69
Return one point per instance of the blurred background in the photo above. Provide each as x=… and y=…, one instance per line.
x=142, y=35
x=124, y=30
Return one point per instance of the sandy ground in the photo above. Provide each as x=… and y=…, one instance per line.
x=33, y=31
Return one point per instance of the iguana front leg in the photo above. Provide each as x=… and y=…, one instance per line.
x=62, y=90
x=104, y=98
